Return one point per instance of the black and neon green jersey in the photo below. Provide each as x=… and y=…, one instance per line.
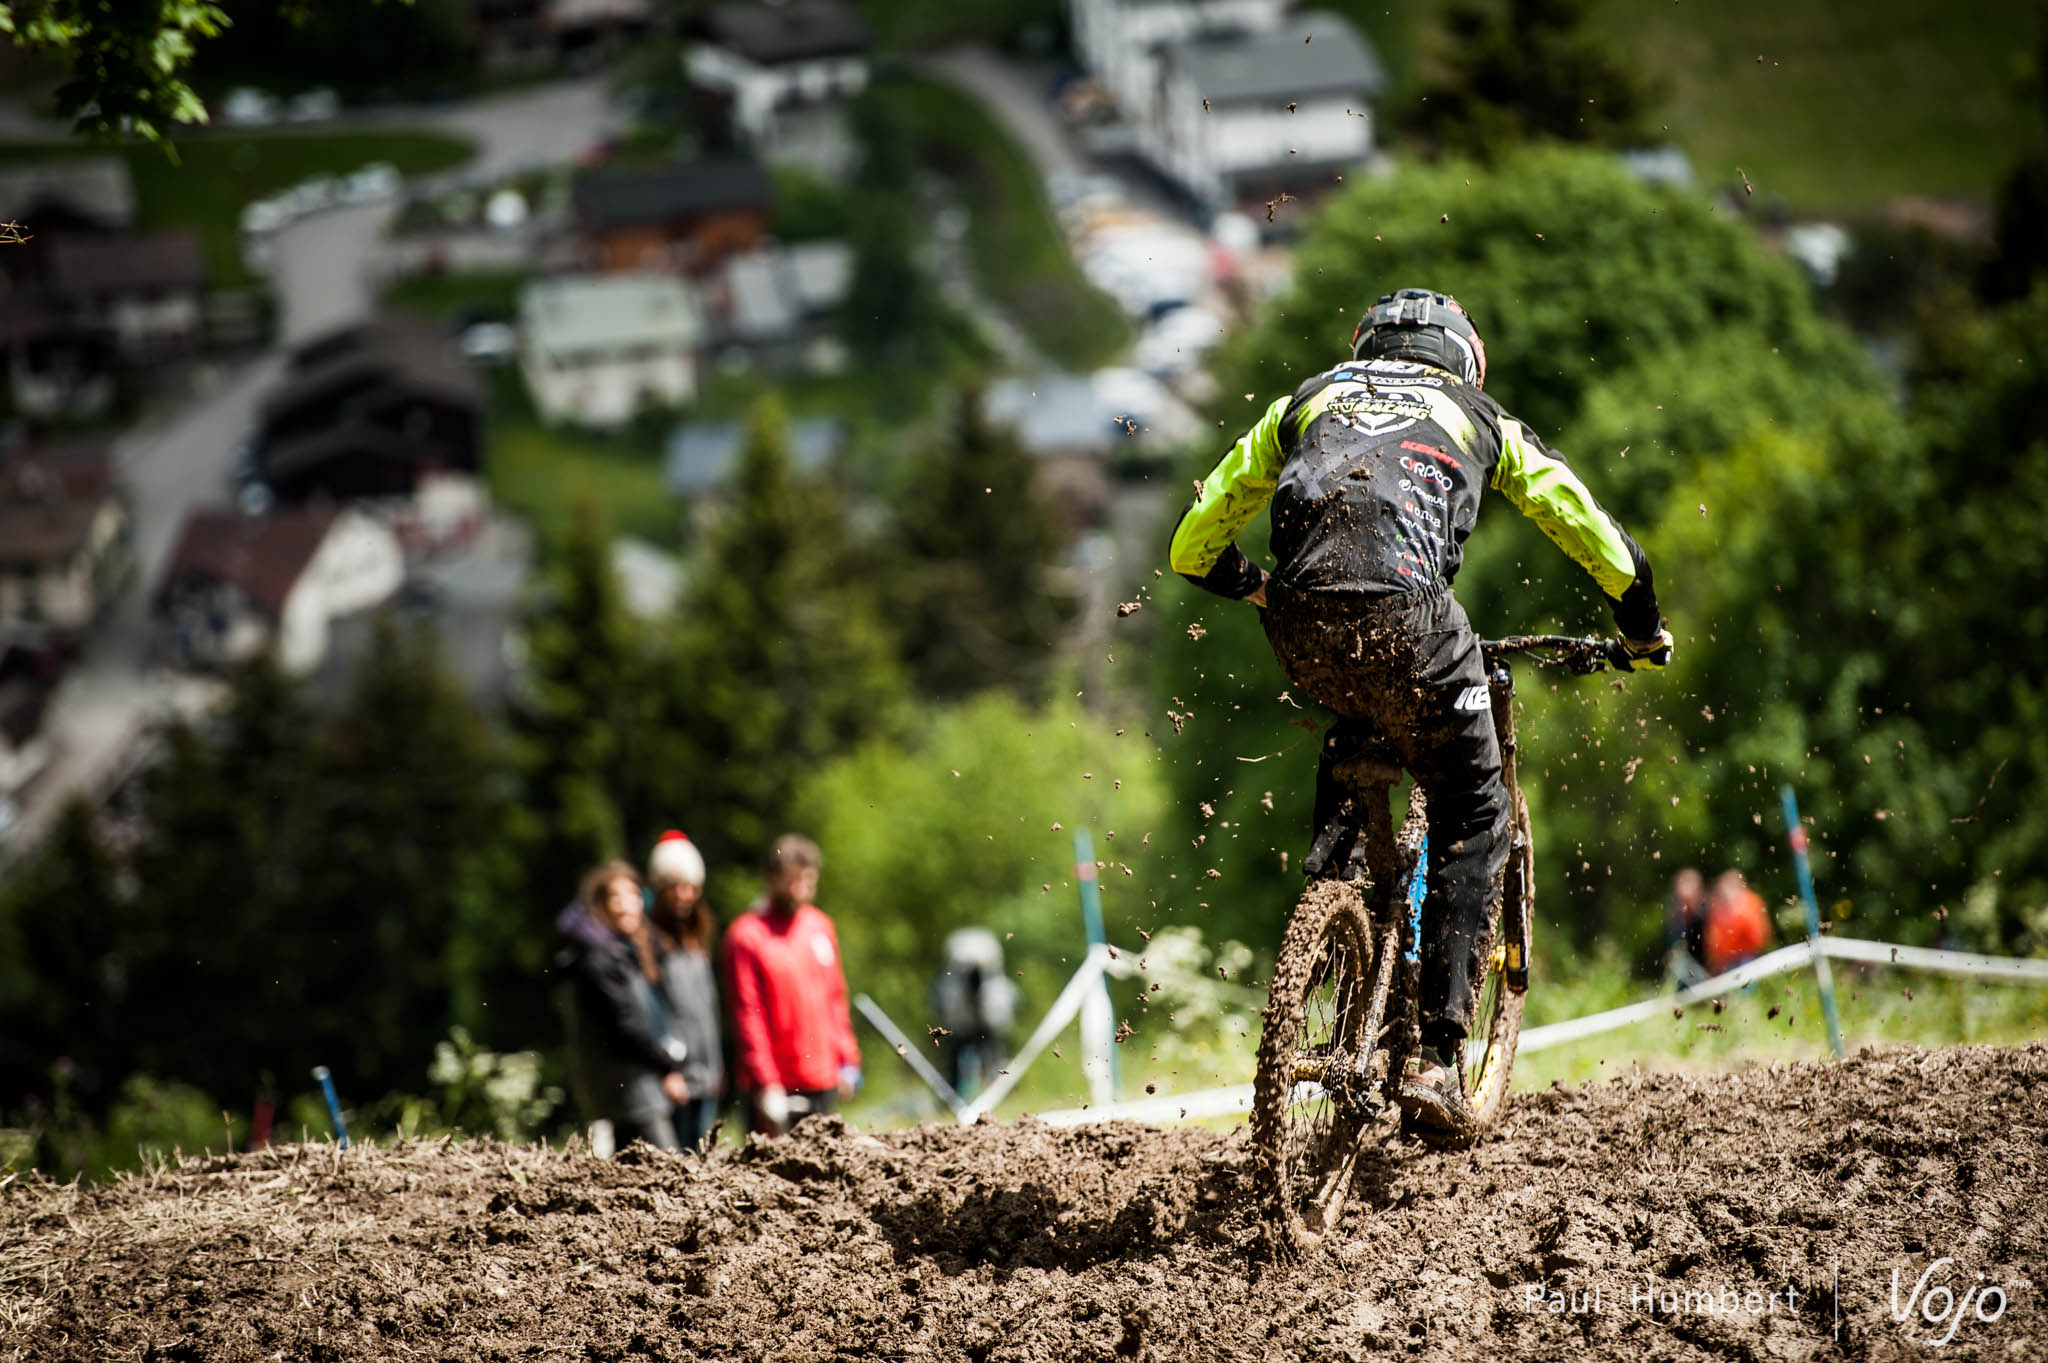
x=1374, y=470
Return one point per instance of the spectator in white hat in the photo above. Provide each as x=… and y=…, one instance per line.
x=684, y=928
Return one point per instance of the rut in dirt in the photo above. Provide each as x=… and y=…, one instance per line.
x=1016, y=1241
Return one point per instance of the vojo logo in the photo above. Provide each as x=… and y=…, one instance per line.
x=1939, y=1302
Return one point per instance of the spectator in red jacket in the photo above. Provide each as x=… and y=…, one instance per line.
x=788, y=995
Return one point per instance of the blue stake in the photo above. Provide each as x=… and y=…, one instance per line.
x=1091, y=919
x=1795, y=838
x=326, y=1079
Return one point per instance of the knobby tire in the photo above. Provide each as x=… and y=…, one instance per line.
x=1305, y=1152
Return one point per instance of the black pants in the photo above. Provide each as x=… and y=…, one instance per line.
x=1404, y=676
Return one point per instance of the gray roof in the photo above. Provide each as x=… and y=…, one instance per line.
x=1311, y=54
x=605, y=199
x=572, y=314
x=772, y=292
x=97, y=187
x=791, y=30
x=703, y=454
x=1057, y=414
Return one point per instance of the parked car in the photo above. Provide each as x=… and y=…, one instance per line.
x=489, y=343
x=377, y=182
x=248, y=107
x=314, y=106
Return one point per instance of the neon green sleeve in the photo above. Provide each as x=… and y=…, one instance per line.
x=1236, y=490
x=1543, y=488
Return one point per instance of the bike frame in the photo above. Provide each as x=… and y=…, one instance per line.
x=1399, y=879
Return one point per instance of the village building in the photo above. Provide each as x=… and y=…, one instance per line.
x=1236, y=101
x=774, y=305
x=684, y=218
x=64, y=543
x=778, y=74
x=598, y=349
x=367, y=411
x=238, y=585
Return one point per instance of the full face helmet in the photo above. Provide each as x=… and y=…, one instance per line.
x=1426, y=327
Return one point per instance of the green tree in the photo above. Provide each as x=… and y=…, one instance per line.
x=60, y=979
x=588, y=694
x=404, y=878
x=1519, y=69
x=127, y=60
x=973, y=541
x=973, y=822
x=1643, y=333
x=781, y=660
x=219, y=961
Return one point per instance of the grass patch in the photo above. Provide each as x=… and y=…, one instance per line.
x=216, y=174
x=542, y=474
x=439, y=297
x=1853, y=102
x=1778, y=1019
x=1018, y=253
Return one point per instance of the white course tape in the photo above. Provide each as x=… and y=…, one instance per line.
x=1559, y=1033
x=1929, y=958
x=1237, y=1099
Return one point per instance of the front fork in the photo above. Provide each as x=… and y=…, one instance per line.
x=1514, y=924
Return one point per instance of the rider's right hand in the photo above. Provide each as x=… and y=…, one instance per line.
x=1645, y=655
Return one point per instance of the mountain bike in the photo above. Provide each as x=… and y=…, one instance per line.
x=1341, y=1022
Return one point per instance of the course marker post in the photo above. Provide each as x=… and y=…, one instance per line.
x=326, y=1078
x=1795, y=838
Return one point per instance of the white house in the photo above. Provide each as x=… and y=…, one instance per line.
x=1251, y=116
x=1120, y=41
x=1234, y=99
x=782, y=69
x=238, y=584
x=596, y=349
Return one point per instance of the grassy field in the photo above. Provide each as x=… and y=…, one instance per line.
x=542, y=474
x=1839, y=105
x=217, y=173
x=1019, y=255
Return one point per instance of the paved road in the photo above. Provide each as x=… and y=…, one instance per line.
x=321, y=272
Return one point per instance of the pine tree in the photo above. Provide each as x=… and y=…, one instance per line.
x=973, y=542
x=60, y=979
x=587, y=695
x=218, y=962
x=782, y=659
x=408, y=838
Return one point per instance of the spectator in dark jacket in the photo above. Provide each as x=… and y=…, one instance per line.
x=684, y=927
x=631, y=1066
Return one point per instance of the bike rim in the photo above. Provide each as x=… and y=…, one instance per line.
x=1318, y=1133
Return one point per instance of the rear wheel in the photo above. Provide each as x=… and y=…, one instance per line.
x=1310, y=1102
x=1497, y=1004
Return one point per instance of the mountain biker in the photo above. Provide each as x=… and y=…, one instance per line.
x=1374, y=469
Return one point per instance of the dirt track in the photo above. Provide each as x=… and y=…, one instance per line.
x=1018, y=1242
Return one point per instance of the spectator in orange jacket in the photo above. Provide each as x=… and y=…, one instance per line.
x=788, y=995
x=1738, y=928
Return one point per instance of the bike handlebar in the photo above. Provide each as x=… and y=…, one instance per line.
x=1583, y=654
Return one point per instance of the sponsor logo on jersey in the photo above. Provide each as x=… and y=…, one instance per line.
x=1472, y=698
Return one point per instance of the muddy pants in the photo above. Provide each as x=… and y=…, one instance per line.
x=1404, y=675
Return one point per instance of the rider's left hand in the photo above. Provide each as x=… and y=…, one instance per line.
x=1646, y=655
